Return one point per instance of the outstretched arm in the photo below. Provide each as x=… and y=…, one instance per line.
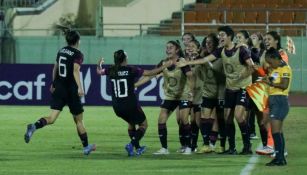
x=143, y=80
x=204, y=60
x=158, y=69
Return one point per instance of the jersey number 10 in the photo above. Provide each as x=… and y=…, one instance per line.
x=118, y=91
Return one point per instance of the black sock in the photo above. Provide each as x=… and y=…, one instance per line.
x=278, y=145
x=40, y=123
x=222, y=133
x=231, y=132
x=135, y=141
x=194, y=134
x=251, y=122
x=213, y=137
x=264, y=135
x=245, y=135
x=162, y=130
x=187, y=135
x=181, y=137
x=84, y=140
x=205, y=128
x=131, y=132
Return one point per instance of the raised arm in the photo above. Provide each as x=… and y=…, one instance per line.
x=99, y=69
x=204, y=60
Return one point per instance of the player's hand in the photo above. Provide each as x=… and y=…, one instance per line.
x=190, y=96
x=182, y=63
x=256, y=67
x=266, y=80
x=100, y=63
x=99, y=69
x=234, y=76
x=51, y=89
x=80, y=92
x=241, y=44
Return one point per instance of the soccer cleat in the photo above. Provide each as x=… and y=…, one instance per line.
x=246, y=150
x=162, y=151
x=230, y=151
x=88, y=149
x=204, y=149
x=187, y=151
x=274, y=154
x=276, y=162
x=30, y=130
x=253, y=136
x=266, y=150
x=219, y=149
x=181, y=149
x=129, y=149
x=194, y=149
x=140, y=150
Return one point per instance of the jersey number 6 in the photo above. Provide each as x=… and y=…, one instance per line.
x=62, y=66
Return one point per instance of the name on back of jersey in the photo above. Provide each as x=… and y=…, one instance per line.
x=122, y=73
x=66, y=51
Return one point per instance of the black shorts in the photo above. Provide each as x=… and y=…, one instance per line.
x=279, y=107
x=209, y=103
x=66, y=96
x=132, y=113
x=171, y=105
x=196, y=108
x=236, y=97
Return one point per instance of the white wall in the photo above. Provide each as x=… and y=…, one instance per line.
x=46, y=19
x=139, y=11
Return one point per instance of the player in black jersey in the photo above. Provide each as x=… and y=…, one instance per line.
x=66, y=89
x=124, y=101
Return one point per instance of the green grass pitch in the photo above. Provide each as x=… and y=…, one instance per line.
x=56, y=149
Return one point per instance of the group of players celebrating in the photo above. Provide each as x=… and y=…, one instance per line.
x=205, y=83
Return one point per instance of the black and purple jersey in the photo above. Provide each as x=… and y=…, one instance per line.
x=122, y=81
x=66, y=58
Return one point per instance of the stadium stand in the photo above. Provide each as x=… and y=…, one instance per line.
x=279, y=13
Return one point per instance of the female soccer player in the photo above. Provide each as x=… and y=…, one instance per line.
x=176, y=94
x=243, y=38
x=124, y=100
x=192, y=53
x=238, y=67
x=279, y=80
x=66, y=89
x=213, y=80
x=186, y=39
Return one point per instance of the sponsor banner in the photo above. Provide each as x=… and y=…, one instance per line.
x=29, y=84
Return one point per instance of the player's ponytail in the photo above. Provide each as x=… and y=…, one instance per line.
x=119, y=57
x=71, y=36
